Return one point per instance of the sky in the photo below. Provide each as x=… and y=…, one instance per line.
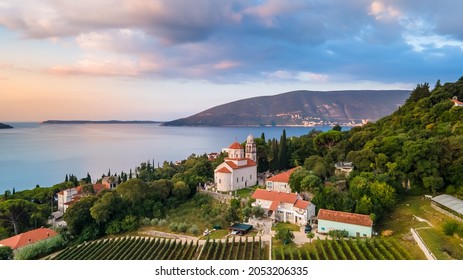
x=166, y=59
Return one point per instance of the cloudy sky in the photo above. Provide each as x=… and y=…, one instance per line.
x=164, y=59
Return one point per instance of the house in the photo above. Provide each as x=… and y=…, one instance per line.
x=238, y=170
x=343, y=168
x=110, y=182
x=284, y=206
x=456, y=102
x=280, y=182
x=27, y=238
x=357, y=225
x=69, y=196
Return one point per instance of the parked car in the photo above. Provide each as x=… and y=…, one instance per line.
x=308, y=228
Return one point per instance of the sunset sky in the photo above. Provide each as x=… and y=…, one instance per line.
x=165, y=59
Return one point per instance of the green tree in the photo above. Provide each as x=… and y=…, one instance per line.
x=326, y=140
x=17, y=212
x=258, y=211
x=283, y=160
x=285, y=235
x=296, y=178
x=311, y=183
x=78, y=216
x=6, y=253
x=107, y=208
x=180, y=190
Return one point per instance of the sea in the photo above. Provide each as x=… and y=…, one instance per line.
x=42, y=154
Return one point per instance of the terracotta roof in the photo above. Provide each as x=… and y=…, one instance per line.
x=223, y=170
x=274, y=205
x=345, y=217
x=249, y=162
x=99, y=187
x=235, y=146
x=301, y=204
x=60, y=193
x=282, y=177
x=457, y=102
x=275, y=196
x=28, y=237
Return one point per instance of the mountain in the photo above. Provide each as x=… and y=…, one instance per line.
x=2, y=126
x=301, y=108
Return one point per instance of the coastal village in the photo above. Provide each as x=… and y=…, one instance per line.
x=269, y=192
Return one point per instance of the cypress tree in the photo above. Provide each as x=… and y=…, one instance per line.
x=67, y=178
x=283, y=152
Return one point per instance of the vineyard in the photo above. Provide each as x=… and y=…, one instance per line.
x=352, y=249
x=148, y=248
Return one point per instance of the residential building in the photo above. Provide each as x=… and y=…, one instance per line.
x=343, y=168
x=237, y=171
x=357, y=225
x=456, y=102
x=284, y=206
x=110, y=182
x=69, y=196
x=280, y=182
x=27, y=238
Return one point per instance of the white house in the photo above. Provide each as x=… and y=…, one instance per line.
x=456, y=102
x=280, y=182
x=66, y=196
x=284, y=206
x=357, y=225
x=110, y=182
x=343, y=168
x=237, y=171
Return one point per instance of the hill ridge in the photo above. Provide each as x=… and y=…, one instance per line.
x=301, y=108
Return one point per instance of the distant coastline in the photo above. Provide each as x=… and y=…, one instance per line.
x=5, y=126
x=98, y=122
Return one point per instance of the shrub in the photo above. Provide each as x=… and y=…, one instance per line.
x=173, y=227
x=194, y=229
x=337, y=233
x=114, y=227
x=6, y=253
x=146, y=221
x=129, y=223
x=285, y=235
x=162, y=222
x=40, y=249
x=450, y=227
x=154, y=222
x=182, y=227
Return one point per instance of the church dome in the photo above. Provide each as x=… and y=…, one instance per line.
x=250, y=138
x=235, y=146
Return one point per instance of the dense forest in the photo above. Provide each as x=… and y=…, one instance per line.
x=417, y=149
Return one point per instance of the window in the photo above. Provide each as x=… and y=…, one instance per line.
x=220, y=181
x=323, y=228
x=250, y=176
x=237, y=180
x=242, y=179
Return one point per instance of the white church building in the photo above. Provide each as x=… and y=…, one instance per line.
x=239, y=170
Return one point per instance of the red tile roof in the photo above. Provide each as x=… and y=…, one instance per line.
x=278, y=197
x=457, y=102
x=249, y=162
x=235, y=146
x=223, y=170
x=345, y=217
x=274, y=205
x=282, y=177
x=275, y=196
x=99, y=187
x=28, y=237
x=302, y=204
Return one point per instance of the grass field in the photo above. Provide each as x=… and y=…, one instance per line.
x=402, y=219
x=287, y=225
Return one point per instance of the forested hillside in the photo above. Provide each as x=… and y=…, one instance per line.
x=417, y=149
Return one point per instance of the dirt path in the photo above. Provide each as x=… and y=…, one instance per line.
x=423, y=220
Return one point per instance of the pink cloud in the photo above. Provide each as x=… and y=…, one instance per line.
x=226, y=64
x=107, y=67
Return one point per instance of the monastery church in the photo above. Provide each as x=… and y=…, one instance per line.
x=239, y=170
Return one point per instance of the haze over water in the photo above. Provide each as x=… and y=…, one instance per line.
x=33, y=153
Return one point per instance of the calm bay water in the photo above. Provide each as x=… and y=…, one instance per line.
x=34, y=153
